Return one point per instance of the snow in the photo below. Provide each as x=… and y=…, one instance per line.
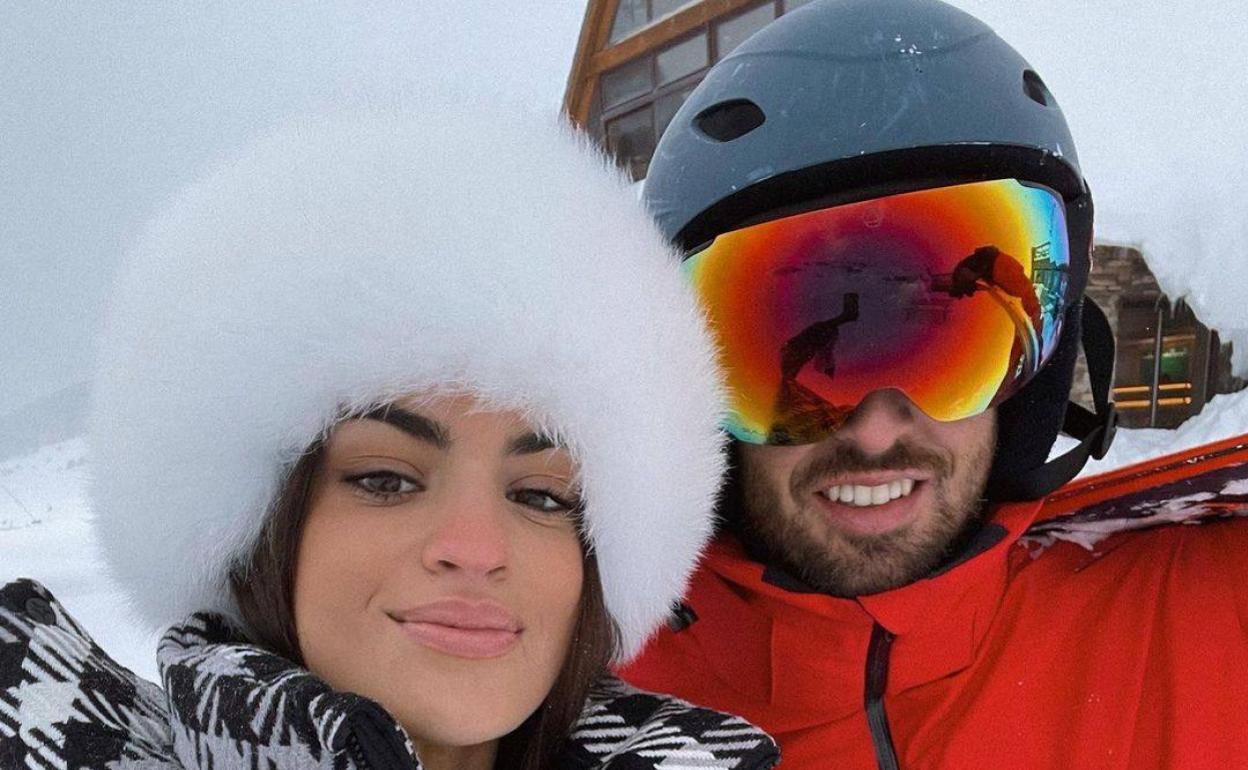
x=1186, y=510
x=45, y=535
x=1223, y=417
x=1239, y=487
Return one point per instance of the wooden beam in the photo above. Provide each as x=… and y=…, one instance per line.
x=595, y=32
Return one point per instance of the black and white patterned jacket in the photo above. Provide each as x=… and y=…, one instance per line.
x=64, y=703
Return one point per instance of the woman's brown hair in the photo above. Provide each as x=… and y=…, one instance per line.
x=263, y=588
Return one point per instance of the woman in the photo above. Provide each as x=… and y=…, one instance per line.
x=408, y=423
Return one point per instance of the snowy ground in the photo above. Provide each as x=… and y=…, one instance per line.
x=45, y=534
x=1223, y=417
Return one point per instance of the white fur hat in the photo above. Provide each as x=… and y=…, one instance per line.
x=352, y=259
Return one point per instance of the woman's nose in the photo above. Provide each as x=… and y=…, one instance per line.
x=470, y=537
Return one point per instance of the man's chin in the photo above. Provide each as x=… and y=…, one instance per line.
x=847, y=551
x=860, y=565
x=846, y=562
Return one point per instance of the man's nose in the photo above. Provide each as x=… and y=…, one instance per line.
x=469, y=537
x=880, y=420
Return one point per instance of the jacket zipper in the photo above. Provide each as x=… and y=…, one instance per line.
x=357, y=753
x=876, y=682
x=375, y=741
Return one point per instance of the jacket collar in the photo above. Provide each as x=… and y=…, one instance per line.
x=808, y=650
x=231, y=702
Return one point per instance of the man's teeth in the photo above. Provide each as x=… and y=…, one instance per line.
x=863, y=496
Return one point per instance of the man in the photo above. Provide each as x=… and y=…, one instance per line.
x=888, y=226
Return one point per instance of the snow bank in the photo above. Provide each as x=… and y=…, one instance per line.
x=45, y=534
x=1223, y=417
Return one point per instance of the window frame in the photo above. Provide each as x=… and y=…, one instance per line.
x=599, y=115
x=651, y=18
x=608, y=114
x=713, y=28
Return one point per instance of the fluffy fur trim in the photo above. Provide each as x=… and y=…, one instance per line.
x=351, y=259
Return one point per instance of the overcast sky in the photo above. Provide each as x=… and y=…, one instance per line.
x=106, y=108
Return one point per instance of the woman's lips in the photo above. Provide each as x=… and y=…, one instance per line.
x=461, y=628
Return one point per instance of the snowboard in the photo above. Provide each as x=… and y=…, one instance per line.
x=1195, y=486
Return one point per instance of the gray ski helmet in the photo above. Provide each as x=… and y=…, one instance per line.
x=845, y=100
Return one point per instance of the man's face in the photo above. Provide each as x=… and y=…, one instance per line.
x=875, y=506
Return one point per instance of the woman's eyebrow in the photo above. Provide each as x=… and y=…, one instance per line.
x=530, y=443
x=415, y=425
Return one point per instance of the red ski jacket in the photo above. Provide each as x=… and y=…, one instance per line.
x=1131, y=655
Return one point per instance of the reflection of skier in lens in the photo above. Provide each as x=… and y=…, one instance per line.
x=799, y=409
x=991, y=269
x=819, y=336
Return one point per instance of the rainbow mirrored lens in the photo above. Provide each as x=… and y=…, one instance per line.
x=952, y=295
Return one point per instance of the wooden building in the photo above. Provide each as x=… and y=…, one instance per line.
x=1168, y=363
x=637, y=61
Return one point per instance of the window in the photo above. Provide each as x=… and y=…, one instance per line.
x=1175, y=365
x=661, y=8
x=1159, y=376
x=636, y=101
x=631, y=139
x=731, y=33
x=684, y=58
x=627, y=82
x=632, y=15
x=640, y=97
x=665, y=108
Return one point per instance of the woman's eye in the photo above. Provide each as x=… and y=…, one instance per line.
x=541, y=500
x=385, y=486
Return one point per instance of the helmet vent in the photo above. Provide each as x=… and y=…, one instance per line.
x=729, y=120
x=1036, y=90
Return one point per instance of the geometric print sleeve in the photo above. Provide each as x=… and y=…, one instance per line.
x=623, y=728
x=247, y=707
x=64, y=703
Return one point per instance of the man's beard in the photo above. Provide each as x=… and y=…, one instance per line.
x=850, y=564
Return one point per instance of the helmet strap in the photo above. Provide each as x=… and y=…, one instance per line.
x=1093, y=430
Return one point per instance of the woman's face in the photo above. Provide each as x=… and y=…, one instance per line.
x=439, y=570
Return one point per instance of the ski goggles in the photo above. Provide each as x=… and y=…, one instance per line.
x=952, y=295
